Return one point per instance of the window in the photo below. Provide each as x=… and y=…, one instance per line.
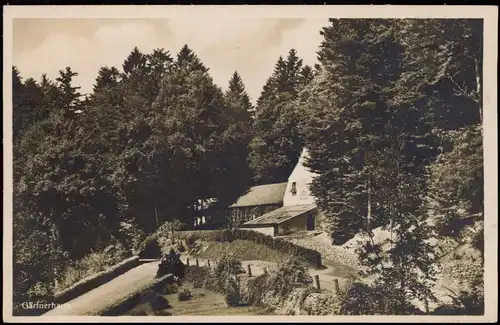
x=294, y=188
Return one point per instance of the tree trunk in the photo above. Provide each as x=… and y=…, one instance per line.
x=478, y=92
x=157, y=221
x=369, y=214
x=390, y=230
x=53, y=247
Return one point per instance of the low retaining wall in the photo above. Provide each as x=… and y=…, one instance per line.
x=95, y=280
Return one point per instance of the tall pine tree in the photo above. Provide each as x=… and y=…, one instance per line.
x=69, y=98
x=187, y=59
x=277, y=144
x=366, y=146
x=237, y=97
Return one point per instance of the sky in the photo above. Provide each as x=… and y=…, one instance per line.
x=250, y=46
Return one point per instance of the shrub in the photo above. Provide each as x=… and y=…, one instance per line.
x=150, y=248
x=190, y=240
x=132, y=235
x=195, y=248
x=35, y=257
x=184, y=295
x=231, y=292
x=90, y=264
x=465, y=269
x=290, y=274
x=464, y=303
x=316, y=303
x=228, y=266
x=41, y=291
x=255, y=289
x=159, y=303
x=180, y=247
x=198, y=276
x=361, y=299
x=169, y=288
x=224, y=236
x=199, y=294
x=116, y=252
x=278, y=284
x=171, y=264
x=358, y=299
x=168, y=227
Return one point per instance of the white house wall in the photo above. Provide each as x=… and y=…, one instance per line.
x=302, y=177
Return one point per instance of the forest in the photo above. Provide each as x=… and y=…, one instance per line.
x=391, y=115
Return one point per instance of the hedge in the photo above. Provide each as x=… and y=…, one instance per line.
x=150, y=248
x=225, y=235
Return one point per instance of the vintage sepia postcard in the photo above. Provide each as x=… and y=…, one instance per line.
x=250, y=163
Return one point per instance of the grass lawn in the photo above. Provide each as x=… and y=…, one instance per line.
x=244, y=250
x=203, y=302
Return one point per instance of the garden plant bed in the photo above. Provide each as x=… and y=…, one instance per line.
x=202, y=303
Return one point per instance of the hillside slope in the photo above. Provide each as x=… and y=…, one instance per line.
x=459, y=262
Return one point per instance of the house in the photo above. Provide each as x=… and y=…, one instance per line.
x=257, y=201
x=298, y=212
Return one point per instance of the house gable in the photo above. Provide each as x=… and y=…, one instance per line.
x=298, y=187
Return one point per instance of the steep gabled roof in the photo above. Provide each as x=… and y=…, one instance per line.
x=262, y=195
x=280, y=215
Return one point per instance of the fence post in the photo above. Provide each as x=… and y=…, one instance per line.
x=187, y=261
x=335, y=287
x=316, y=282
x=197, y=262
x=249, y=270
